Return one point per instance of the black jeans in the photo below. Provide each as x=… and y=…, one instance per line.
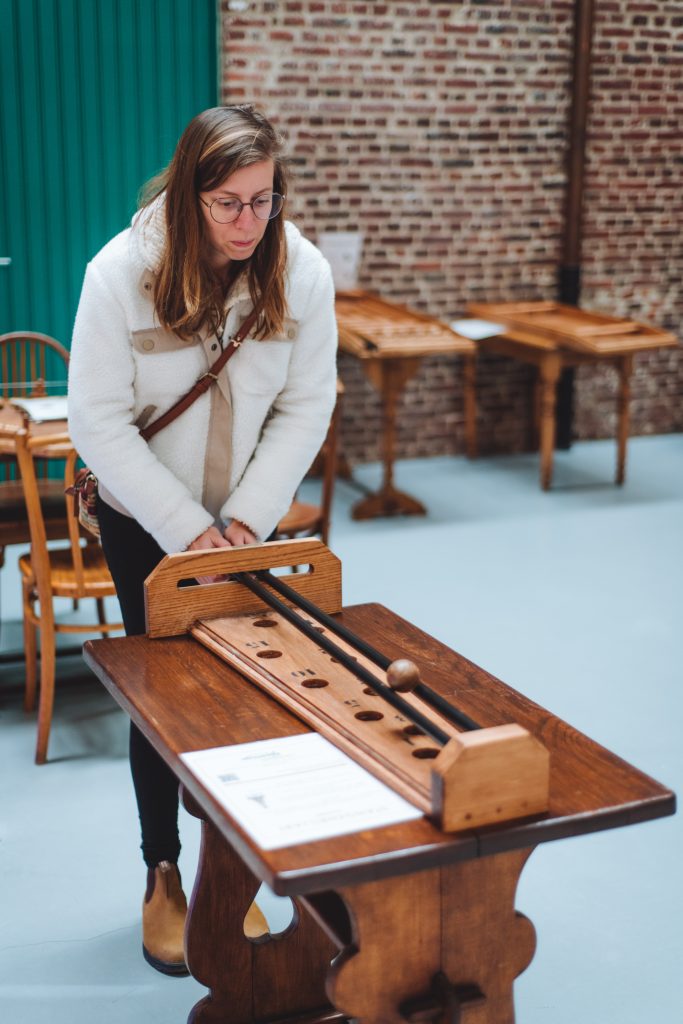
x=131, y=554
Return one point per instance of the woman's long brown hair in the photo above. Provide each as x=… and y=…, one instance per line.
x=188, y=294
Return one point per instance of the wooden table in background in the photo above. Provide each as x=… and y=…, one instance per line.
x=390, y=341
x=14, y=418
x=13, y=516
x=553, y=337
x=393, y=925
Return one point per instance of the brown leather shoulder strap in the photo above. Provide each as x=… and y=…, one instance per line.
x=203, y=384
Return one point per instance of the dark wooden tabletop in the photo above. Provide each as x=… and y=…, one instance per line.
x=185, y=698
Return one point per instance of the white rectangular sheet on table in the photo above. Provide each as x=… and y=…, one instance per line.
x=43, y=410
x=296, y=789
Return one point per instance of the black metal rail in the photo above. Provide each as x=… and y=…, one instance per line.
x=348, y=661
x=429, y=696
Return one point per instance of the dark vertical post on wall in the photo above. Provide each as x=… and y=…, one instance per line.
x=569, y=276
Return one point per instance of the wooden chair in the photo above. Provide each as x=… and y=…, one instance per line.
x=25, y=360
x=307, y=520
x=72, y=572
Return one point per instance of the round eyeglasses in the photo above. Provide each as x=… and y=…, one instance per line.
x=264, y=207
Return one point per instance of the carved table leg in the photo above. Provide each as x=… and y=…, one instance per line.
x=535, y=421
x=549, y=374
x=444, y=945
x=279, y=976
x=389, y=376
x=485, y=940
x=469, y=378
x=625, y=367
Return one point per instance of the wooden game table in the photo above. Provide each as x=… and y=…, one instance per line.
x=390, y=341
x=395, y=924
x=554, y=337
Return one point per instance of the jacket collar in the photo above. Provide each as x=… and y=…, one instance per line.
x=148, y=235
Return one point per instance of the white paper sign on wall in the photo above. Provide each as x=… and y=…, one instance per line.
x=343, y=251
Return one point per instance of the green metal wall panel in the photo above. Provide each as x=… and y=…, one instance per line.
x=93, y=97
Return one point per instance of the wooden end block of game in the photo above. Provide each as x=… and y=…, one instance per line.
x=172, y=607
x=489, y=776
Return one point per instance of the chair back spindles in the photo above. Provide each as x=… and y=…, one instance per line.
x=36, y=522
x=72, y=520
x=52, y=449
x=25, y=366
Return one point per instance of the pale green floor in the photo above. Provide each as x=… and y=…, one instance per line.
x=574, y=597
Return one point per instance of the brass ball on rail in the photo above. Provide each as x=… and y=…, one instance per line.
x=403, y=675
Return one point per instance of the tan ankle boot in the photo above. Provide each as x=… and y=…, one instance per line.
x=255, y=925
x=163, y=920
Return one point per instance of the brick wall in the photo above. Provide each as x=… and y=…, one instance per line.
x=439, y=131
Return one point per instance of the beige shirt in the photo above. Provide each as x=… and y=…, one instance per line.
x=218, y=452
x=218, y=457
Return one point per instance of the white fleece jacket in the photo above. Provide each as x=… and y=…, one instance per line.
x=122, y=364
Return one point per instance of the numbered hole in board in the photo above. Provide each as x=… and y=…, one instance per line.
x=369, y=716
x=314, y=684
x=264, y=623
x=269, y=654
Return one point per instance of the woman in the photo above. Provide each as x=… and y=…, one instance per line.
x=159, y=302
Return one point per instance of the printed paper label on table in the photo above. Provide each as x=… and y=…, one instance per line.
x=296, y=789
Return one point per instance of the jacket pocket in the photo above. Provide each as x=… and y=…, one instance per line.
x=290, y=331
x=261, y=367
x=157, y=340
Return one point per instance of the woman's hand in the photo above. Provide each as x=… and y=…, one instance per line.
x=238, y=534
x=211, y=538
